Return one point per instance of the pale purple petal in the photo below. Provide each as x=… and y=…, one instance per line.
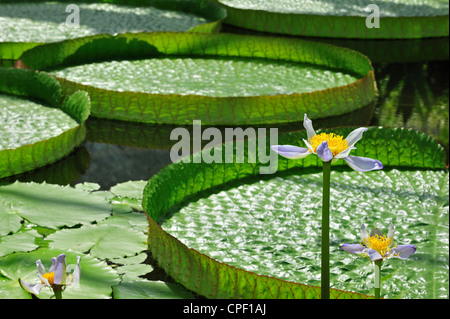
x=373, y=254
x=52, y=267
x=307, y=123
x=363, y=164
x=290, y=151
x=60, y=270
x=352, y=248
x=324, y=152
x=404, y=251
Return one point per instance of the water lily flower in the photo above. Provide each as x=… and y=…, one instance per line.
x=377, y=246
x=330, y=147
x=57, y=277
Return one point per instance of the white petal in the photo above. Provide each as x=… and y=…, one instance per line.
x=77, y=272
x=355, y=136
x=391, y=231
x=31, y=288
x=40, y=267
x=307, y=123
x=309, y=146
x=290, y=151
x=345, y=152
x=363, y=233
x=45, y=280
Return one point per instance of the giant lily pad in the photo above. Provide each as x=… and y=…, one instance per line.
x=173, y=77
x=257, y=209
x=342, y=18
x=34, y=134
x=25, y=24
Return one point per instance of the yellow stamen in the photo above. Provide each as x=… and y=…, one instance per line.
x=336, y=143
x=381, y=244
x=50, y=276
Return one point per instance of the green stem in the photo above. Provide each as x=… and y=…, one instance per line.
x=325, y=275
x=58, y=293
x=378, y=278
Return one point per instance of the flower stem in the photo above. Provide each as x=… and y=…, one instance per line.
x=378, y=278
x=325, y=267
x=58, y=293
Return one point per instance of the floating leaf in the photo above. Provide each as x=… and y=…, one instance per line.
x=17, y=242
x=130, y=189
x=341, y=18
x=33, y=134
x=347, y=77
x=25, y=24
x=10, y=221
x=103, y=240
x=53, y=206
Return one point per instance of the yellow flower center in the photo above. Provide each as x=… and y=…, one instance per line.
x=381, y=244
x=336, y=143
x=50, y=276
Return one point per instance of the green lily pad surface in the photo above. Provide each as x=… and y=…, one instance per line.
x=38, y=124
x=27, y=122
x=220, y=79
x=342, y=18
x=26, y=24
x=45, y=21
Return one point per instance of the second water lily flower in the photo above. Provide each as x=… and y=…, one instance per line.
x=330, y=147
x=57, y=277
x=377, y=246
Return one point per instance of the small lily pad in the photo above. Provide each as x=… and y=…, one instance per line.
x=18, y=242
x=103, y=240
x=54, y=206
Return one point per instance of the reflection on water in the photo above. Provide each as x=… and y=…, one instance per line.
x=414, y=95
